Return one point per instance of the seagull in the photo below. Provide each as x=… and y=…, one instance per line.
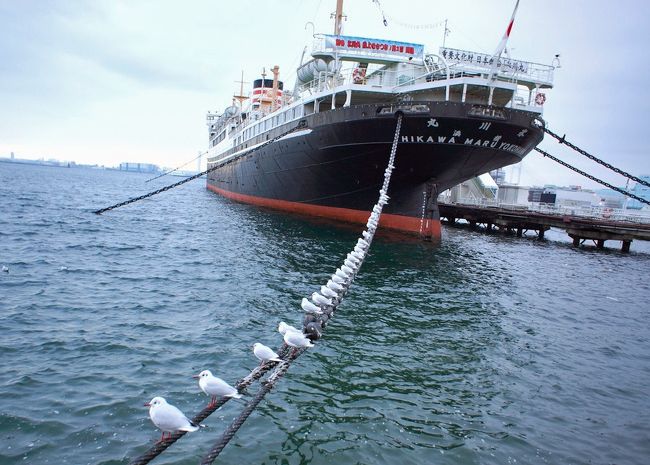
x=265, y=354
x=358, y=255
x=5, y=269
x=283, y=328
x=308, y=307
x=366, y=235
x=215, y=387
x=168, y=418
x=320, y=300
x=337, y=279
x=297, y=340
x=347, y=270
x=342, y=274
x=327, y=292
x=363, y=243
x=336, y=287
x=353, y=258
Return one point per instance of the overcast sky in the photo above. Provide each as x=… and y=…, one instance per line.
x=109, y=81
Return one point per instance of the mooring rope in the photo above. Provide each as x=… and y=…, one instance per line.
x=175, y=169
x=562, y=140
x=300, y=125
x=313, y=326
x=241, y=385
x=593, y=178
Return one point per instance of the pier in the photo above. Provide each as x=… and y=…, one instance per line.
x=594, y=224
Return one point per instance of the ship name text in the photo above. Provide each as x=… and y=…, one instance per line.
x=494, y=143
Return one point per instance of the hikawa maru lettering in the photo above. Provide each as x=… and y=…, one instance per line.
x=494, y=143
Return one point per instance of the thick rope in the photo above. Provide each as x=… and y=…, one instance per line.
x=242, y=384
x=282, y=368
x=243, y=416
x=600, y=181
x=286, y=354
x=562, y=140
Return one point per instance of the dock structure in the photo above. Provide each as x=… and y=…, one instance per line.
x=520, y=219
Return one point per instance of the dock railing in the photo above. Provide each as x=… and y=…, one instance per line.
x=592, y=212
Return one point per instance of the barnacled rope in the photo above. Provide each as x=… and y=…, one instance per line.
x=241, y=385
x=313, y=325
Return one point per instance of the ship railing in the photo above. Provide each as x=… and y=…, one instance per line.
x=594, y=212
x=390, y=81
x=504, y=67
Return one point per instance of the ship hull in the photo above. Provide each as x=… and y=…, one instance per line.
x=332, y=165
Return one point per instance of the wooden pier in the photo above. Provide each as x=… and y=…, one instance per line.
x=519, y=220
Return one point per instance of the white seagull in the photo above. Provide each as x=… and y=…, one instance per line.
x=283, y=328
x=327, y=292
x=168, y=418
x=336, y=287
x=308, y=307
x=265, y=354
x=215, y=387
x=298, y=340
x=320, y=300
x=5, y=269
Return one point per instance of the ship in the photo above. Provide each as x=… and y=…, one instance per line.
x=321, y=148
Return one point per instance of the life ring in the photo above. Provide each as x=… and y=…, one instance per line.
x=358, y=75
x=540, y=98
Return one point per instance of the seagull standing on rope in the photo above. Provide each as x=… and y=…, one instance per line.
x=168, y=418
x=297, y=340
x=265, y=353
x=283, y=328
x=215, y=387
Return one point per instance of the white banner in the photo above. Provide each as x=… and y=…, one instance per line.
x=377, y=48
x=504, y=64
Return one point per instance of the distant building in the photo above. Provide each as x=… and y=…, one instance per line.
x=499, y=176
x=513, y=194
x=574, y=196
x=541, y=195
x=139, y=167
x=12, y=155
x=640, y=191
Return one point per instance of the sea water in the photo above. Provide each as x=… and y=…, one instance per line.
x=483, y=349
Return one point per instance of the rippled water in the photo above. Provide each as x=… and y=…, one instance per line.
x=481, y=350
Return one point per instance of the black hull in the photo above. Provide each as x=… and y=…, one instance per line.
x=337, y=160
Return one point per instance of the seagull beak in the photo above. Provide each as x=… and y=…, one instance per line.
x=147, y=404
x=195, y=376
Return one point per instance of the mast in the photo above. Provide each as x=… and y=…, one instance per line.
x=274, y=103
x=241, y=97
x=338, y=18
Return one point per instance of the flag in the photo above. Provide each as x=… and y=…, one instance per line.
x=504, y=41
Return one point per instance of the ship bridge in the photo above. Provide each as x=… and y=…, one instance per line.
x=354, y=70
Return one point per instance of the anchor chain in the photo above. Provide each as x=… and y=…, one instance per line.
x=175, y=169
x=562, y=140
x=302, y=124
x=600, y=181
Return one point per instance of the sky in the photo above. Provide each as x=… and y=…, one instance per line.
x=108, y=81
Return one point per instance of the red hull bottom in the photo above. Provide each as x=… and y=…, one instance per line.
x=430, y=228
